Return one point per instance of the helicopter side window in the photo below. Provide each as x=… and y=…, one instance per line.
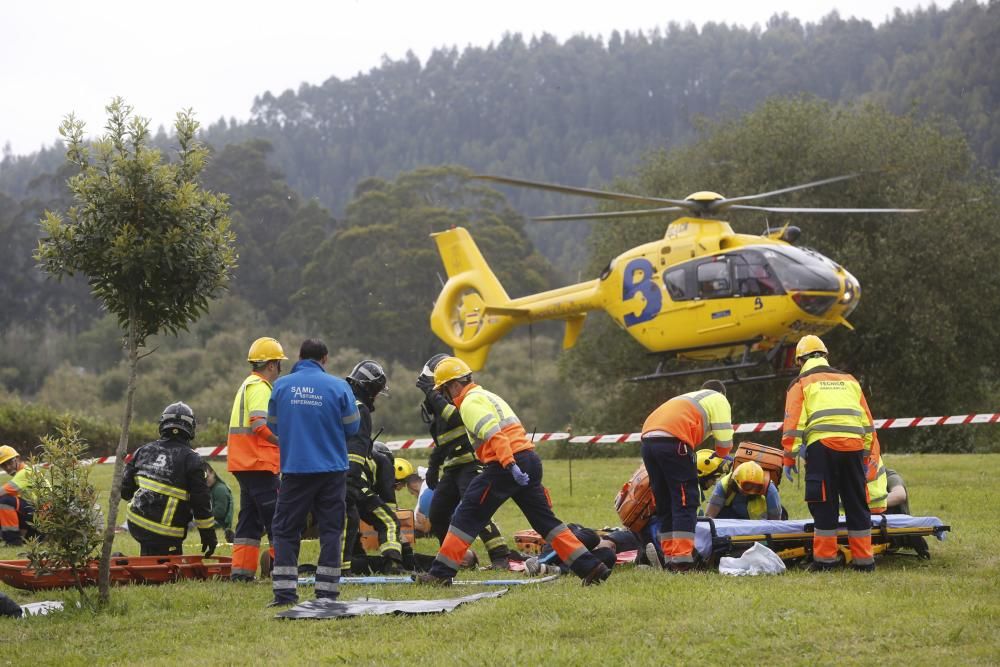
x=753, y=276
x=713, y=279
x=676, y=282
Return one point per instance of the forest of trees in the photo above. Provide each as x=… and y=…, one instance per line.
x=335, y=188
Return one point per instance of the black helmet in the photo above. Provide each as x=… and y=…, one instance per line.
x=382, y=448
x=367, y=379
x=178, y=420
x=428, y=370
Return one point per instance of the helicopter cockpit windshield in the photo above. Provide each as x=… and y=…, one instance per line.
x=802, y=270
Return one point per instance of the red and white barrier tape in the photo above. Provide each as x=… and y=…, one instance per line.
x=751, y=427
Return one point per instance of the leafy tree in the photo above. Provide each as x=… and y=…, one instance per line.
x=154, y=245
x=66, y=510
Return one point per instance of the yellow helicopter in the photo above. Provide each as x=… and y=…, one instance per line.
x=702, y=292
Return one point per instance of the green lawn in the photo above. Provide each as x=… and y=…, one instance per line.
x=943, y=611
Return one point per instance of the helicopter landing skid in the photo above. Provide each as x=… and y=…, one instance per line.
x=772, y=358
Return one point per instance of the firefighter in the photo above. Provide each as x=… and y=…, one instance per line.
x=452, y=465
x=165, y=482
x=745, y=493
x=511, y=469
x=670, y=435
x=16, y=512
x=252, y=457
x=826, y=410
x=368, y=381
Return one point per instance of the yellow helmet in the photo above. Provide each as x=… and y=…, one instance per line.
x=708, y=463
x=750, y=478
x=266, y=349
x=451, y=368
x=403, y=469
x=808, y=345
x=7, y=453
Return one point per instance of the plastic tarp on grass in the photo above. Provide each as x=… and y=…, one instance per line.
x=709, y=531
x=372, y=607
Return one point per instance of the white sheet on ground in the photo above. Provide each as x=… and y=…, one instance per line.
x=758, y=559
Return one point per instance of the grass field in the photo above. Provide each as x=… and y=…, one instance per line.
x=943, y=611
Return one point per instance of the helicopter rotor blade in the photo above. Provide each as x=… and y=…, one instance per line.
x=584, y=192
x=724, y=204
x=644, y=213
x=785, y=209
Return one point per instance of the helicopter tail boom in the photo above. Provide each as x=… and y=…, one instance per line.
x=473, y=310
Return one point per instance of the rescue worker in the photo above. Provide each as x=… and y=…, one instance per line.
x=877, y=481
x=745, y=493
x=368, y=381
x=452, y=465
x=314, y=413
x=222, y=503
x=826, y=411
x=711, y=468
x=165, y=482
x=16, y=511
x=512, y=470
x=670, y=435
x=252, y=457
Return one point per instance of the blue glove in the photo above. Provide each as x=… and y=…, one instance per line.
x=791, y=472
x=520, y=477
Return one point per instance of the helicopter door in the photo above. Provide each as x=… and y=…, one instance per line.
x=720, y=318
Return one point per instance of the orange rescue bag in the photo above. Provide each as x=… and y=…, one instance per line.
x=769, y=458
x=634, y=503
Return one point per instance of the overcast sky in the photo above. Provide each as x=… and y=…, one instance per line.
x=62, y=56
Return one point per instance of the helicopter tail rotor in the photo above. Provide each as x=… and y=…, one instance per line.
x=472, y=311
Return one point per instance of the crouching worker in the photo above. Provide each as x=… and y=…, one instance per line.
x=368, y=381
x=670, y=435
x=512, y=470
x=165, y=482
x=16, y=512
x=745, y=493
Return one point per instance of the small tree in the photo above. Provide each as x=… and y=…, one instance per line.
x=65, y=506
x=154, y=245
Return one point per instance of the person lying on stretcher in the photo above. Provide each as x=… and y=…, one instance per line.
x=745, y=493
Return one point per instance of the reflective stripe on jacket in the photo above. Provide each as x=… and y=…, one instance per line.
x=696, y=418
x=247, y=449
x=826, y=404
x=165, y=482
x=494, y=430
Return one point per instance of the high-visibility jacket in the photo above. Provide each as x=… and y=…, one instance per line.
x=727, y=494
x=165, y=482
x=249, y=448
x=495, y=431
x=826, y=404
x=877, y=482
x=18, y=483
x=451, y=441
x=696, y=418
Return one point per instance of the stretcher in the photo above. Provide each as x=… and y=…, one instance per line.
x=792, y=539
x=378, y=581
x=124, y=570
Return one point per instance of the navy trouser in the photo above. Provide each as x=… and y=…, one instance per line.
x=834, y=477
x=448, y=493
x=484, y=496
x=258, y=495
x=323, y=495
x=673, y=476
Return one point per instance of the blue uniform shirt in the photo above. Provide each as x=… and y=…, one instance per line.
x=313, y=413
